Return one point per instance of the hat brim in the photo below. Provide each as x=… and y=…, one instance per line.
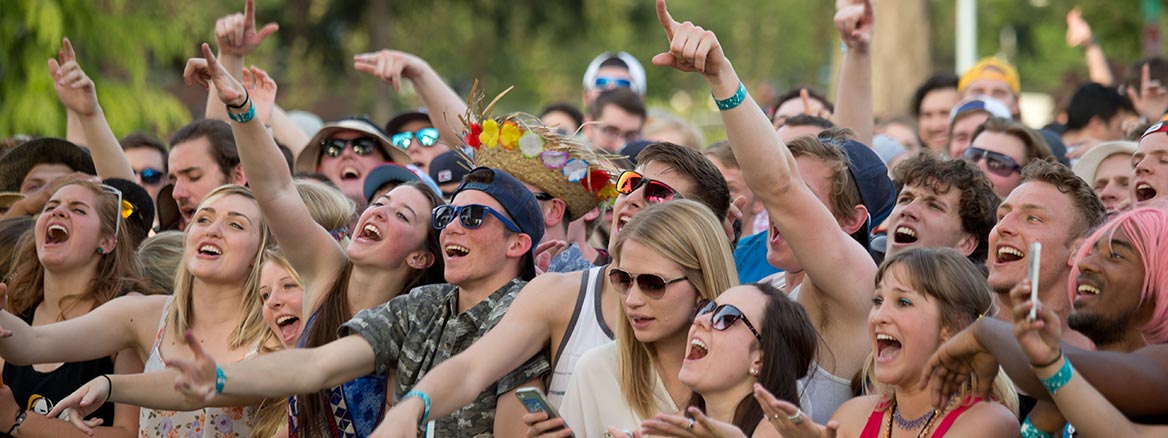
x=16, y=164
x=309, y=157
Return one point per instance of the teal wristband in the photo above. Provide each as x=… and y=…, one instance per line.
x=245, y=117
x=220, y=380
x=1030, y=431
x=425, y=400
x=732, y=101
x=1059, y=379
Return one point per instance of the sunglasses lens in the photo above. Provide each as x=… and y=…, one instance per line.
x=627, y=182
x=725, y=318
x=334, y=148
x=707, y=306
x=471, y=216
x=427, y=136
x=364, y=146
x=656, y=192
x=151, y=176
x=402, y=140
x=442, y=216
x=620, y=279
x=651, y=284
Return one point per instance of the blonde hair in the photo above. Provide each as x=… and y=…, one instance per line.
x=160, y=256
x=251, y=326
x=661, y=122
x=686, y=233
x=329, y=207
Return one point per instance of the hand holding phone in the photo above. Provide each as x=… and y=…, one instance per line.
x=1035, y=260
x=534, y=401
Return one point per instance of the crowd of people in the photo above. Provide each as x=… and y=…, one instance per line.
x=458, y=272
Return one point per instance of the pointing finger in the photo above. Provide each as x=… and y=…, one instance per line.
x=666, y=20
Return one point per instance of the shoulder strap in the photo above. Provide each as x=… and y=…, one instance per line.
x=947, y=422
x=872, y=428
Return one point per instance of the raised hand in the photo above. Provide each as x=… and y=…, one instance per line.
x=83, y=402
x=390, y=66
x=207, y=71
x=855, y=20
x=1151, y=99
x=236, y=34
x=684, y=427
x=196, y=378
x=262, y=89
x=691, y=48
x=538, y=425
x=1078, y=31
x=74, y=87
x=954, y=365
x=1040, y=338
x=783, y=416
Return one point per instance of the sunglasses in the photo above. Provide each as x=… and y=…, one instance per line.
x=362, y=146
x=655, y=191
x=426, y=137
x=470, y=216
x=652, y=285
x=150, y=175
x=997, y=163
x=125, y=208
x=724, y=316
x=607, y=83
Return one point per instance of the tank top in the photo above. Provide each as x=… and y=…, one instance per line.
x=38, y=392
x=232, y=422
x=876, y=420
x=586, y=330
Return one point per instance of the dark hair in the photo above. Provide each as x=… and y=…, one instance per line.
x=614, y=61
x=624, y=98
x=563, y=107
x=12, y=230
x=789, y=343
x=1094, y=100
x=808, y=120
x=1089, y=210
x=1036, y=147
x=978, y=203
x=334, y=310
x=940, y=81
x=218, y=135
x=812, y=93
x=139, y=140
x=1157, y=71
x=709, y=184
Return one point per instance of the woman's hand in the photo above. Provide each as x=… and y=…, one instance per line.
x=236, y=34
x=789, y=420
x=262, y=89
x=82, y=403
x=685, y=427
x=196, y=379
x=207, y=71
x=691, y=48
x=538, y=425
x=952, y=366
x=74, y=87
x=1039, y=338
x=390, y=66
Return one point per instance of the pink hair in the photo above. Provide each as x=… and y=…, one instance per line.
x=1148, y=230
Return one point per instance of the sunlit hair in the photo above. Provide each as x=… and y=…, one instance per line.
x=329, y=207
x=1148, y=230
x=686, y=233
x=251, y=326
x=117, y=270
x=962, y=296
x=160, y=256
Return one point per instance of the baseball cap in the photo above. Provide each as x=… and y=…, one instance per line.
x=516, y=199
x=994, y=107
x=870, y=175
x=449, y=167
x=636, y=70
x=992, y=68
x=396, y=173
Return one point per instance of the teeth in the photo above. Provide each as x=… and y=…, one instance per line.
x=1143, y=186
x=884, y=337
x=623, y=220
x=210, y=249
x=1088, y=289
x=372, y=230
x=56, y=227
x=349, y=172
x=285, y=319
x=698, y=343
x=906, y=231
x=1011, y=251
x=459, y=249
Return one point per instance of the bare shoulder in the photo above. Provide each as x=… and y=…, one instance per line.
x=854, y=413
x=986, y=418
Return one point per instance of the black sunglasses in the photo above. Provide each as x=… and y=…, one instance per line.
x=655, y=191
x=470, y=216
x=150, y=175
x=724, y=316
x=997, y=163
x=362, y=146
x=652, y=285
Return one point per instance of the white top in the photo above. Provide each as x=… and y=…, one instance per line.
x=586, y=331
x=594, y=401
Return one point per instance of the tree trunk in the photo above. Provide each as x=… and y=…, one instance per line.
x=901, y=56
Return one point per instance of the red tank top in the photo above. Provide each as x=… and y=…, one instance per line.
x=872, y=428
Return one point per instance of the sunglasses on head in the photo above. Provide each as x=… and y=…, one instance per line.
x=997, y=163
x=362, y=146
x=724, y=316
x=125, y=208
x=652, y=285
x=607, y=83
x=150, y=175
x=655, y=191
x=426, y=137
x=470, y=216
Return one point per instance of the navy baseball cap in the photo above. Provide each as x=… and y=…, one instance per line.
x=448, y=167
x=870, y=175
x=516, y=199
x=395, y=173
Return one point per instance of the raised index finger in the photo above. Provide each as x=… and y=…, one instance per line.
x=69, y=54
x=249, y=14
x=666, y=20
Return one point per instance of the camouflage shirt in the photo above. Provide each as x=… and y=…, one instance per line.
x=414, y=333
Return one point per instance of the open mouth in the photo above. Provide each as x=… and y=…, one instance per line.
x=697, y=350
x=887, y=347
x=187, y=212
x=350, y=173
x=56, y=234
x=289, y=327
x=1087, y=289
x=454, y=251
x=210, y=250
x=904, y=235
x=1144, y=192
x=775, y=235
x=1008, y=254
x=370, y=232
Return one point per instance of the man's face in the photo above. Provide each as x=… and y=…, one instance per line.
x=933, y=122
x=816, y=174
x=194, y=173
x=614, y=128
x=1113, y=182
x=1034, y=212
x=149, y=168
x=348, y=169
x=1107, y=290
x=994, y=88
x=561, y=122
x=41, y=175
x=1012, y=148
x=1151, y=168
x=420, y=154
x=924, y=218
x=629, y=205
x=474, y=254
x=794, y=107
x=963, y=129
x=611, y=76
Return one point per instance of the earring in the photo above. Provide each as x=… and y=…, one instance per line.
x=100, y=250
x=754, y=372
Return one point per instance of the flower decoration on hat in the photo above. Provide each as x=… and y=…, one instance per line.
x=523, y=146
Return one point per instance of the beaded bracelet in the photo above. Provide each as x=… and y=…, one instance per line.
x=220, y=380
x=732, y=101
x=425, y=401
x=1059, y=379
x=1030, y=431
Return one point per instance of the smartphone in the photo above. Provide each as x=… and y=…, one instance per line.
x=1035, y=258
x=534, y=401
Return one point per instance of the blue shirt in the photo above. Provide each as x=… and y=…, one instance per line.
x=750, y=259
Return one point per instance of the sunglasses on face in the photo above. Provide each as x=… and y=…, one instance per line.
x=426, y=137
x=724, y=316
x=613, y=131
x=470, y=216
x=362, y=146
x=608, y=83
x=150, y=175
x=997, y=163
x=652, y=285
x=655, y=191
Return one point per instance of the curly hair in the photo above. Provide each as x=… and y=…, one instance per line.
x=978, y=205
x=1089, y=210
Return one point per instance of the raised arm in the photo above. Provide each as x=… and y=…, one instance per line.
x=286, y=132
x=308, y=246
x=107, y=329
x=76, y=91
x=391, y=66
x=855, y=21
x=771, y=172
x=235, y=37
x=1079, y=35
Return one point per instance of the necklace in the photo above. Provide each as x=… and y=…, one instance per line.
x=913, y=424
x=900, y=421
